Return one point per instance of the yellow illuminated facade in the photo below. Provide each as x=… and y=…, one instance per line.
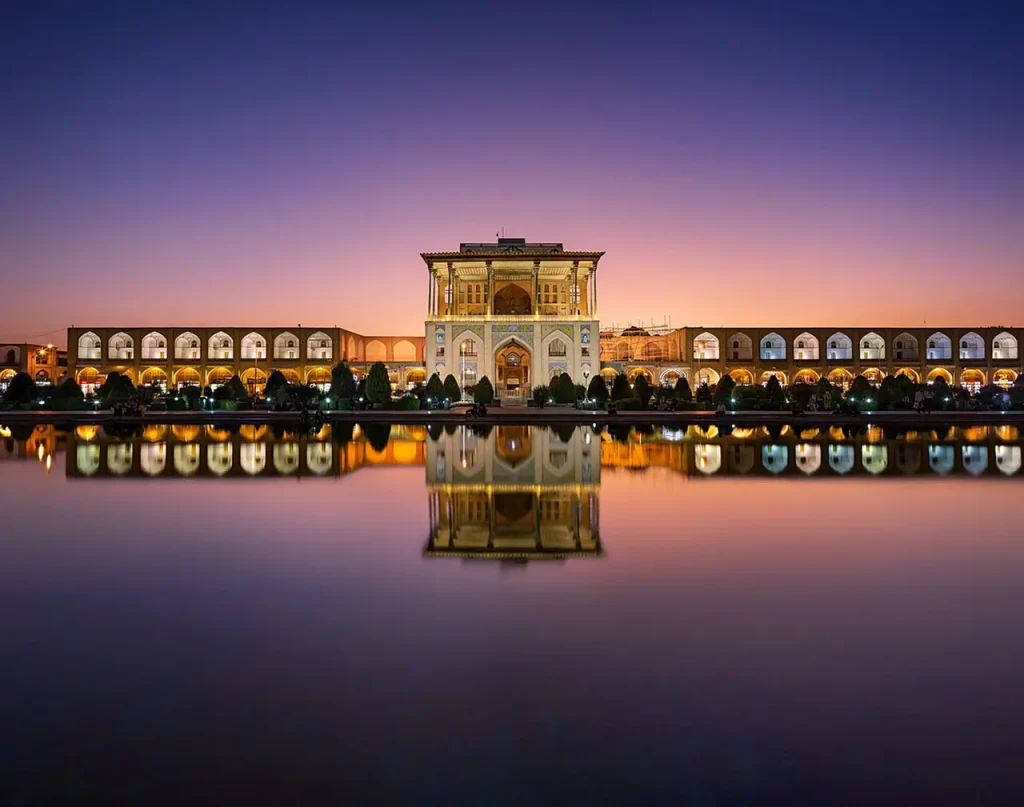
x=519, y=313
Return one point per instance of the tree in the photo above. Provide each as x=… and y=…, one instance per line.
x=774, y=389
x=723, y=394
x=452, y=391
x=683, y=392
x=68, y=390
x=704, y=395
x=115, y=387
x=484, y=392
x=861, y=387
x=378, y=384
x=642, y=389
x=343, y=385
x=435, y=390
x=621, y=389
x=239, y=392
x=563, y=390
x=598, y=390
x=22, y=389
x=276, y=384
x=540, y=394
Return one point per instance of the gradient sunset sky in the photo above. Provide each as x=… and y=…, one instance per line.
x=761, y=163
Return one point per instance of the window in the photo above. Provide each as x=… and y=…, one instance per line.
x=800, y=344
x=467, y=348
x=833, y=344
x=556, y=348
x=899, y=346
x=963, y=344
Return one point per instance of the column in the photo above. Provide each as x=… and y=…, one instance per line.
x=490, y=288
x=430, y=286
x=593, y=313
x=450, y=291
x=574, y=289
x=536, y=288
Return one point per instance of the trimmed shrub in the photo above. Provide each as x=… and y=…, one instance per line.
x=484, y=391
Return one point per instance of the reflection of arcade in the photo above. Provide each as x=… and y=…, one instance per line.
x=160, y=451
x=514, y=493
x=783, y=451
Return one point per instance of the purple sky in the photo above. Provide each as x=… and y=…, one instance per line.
x=750, y=163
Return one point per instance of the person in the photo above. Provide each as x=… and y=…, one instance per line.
x=720, y=409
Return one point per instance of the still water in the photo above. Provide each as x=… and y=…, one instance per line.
x=511, y=615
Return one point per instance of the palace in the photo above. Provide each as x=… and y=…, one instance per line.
x=172, y=357
x=521, y=313
x=516, y=312
x=44, y=363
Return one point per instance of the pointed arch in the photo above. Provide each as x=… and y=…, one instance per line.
x=972, y=380
x=376, y=350
x=403, y=350
x=872, y=347
x=706, y=347
x=972, y=347
x=938, y=373
x=706, y=376
x=89, y=346
x=221, y=346
x=120, y=346
x=841, y=378
x=905, y=348
x=910, y=373
x=777, y=373
x=806, y=347
x=773, y=347
x=1004, y=346
x=740, y=347
x=286, y=346
x=186, y=347
x=1004, y=378
x=320, y=346
x=806, y=377
x=939, y=347
x=742, y=377
x=254, y=346
x=154, y=346
x=840, y=347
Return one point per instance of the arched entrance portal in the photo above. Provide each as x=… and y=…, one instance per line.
x=512, y=362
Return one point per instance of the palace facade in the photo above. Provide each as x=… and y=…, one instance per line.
x=173, y=357
x=970, y=357
x=519, y=313
x=44, y=363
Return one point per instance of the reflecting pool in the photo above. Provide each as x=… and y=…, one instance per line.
x=508, y=615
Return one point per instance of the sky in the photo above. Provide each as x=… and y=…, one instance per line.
x=752, y=164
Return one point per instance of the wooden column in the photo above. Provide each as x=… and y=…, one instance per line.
x=574, y=289
x=490, y=287
x=450, y=291
x=536, y=287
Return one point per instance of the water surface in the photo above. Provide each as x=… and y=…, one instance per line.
x=516, y=615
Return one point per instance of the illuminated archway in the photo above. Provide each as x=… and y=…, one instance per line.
x=512, y=362
x=806, y=377
x=154, y=376
x=972, y=380
x=873, y=375
x=939, y=348
x=905, y=347
x=254, y=379
x=218, y=376
x=840, y=347
x=1004, y=346
x=841, y=378
x=187, y=376
x=742, y=377
x=319, y=377
x=1004, y=378
x=777, y=373
x=972, y=346
x=741, y=347
x=705, y=375
x=640, y=371
x=910, y=373
x=805, y=347
x=706, y=347
x=938, y=373
x=872, y=346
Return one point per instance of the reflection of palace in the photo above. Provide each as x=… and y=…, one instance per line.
x=874, y=451
x=247, y=452
x=515, y=493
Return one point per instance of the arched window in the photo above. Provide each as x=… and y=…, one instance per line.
x=1004, y=346
x=556, y=348
x=121, y=346
x=253, y=346
x=89, y=346
x=221, y=346
x=773, y=347
x=319, y=346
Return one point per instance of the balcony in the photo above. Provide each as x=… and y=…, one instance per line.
x=513, y=318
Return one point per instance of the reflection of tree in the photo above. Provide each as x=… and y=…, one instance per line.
x=377, y=435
